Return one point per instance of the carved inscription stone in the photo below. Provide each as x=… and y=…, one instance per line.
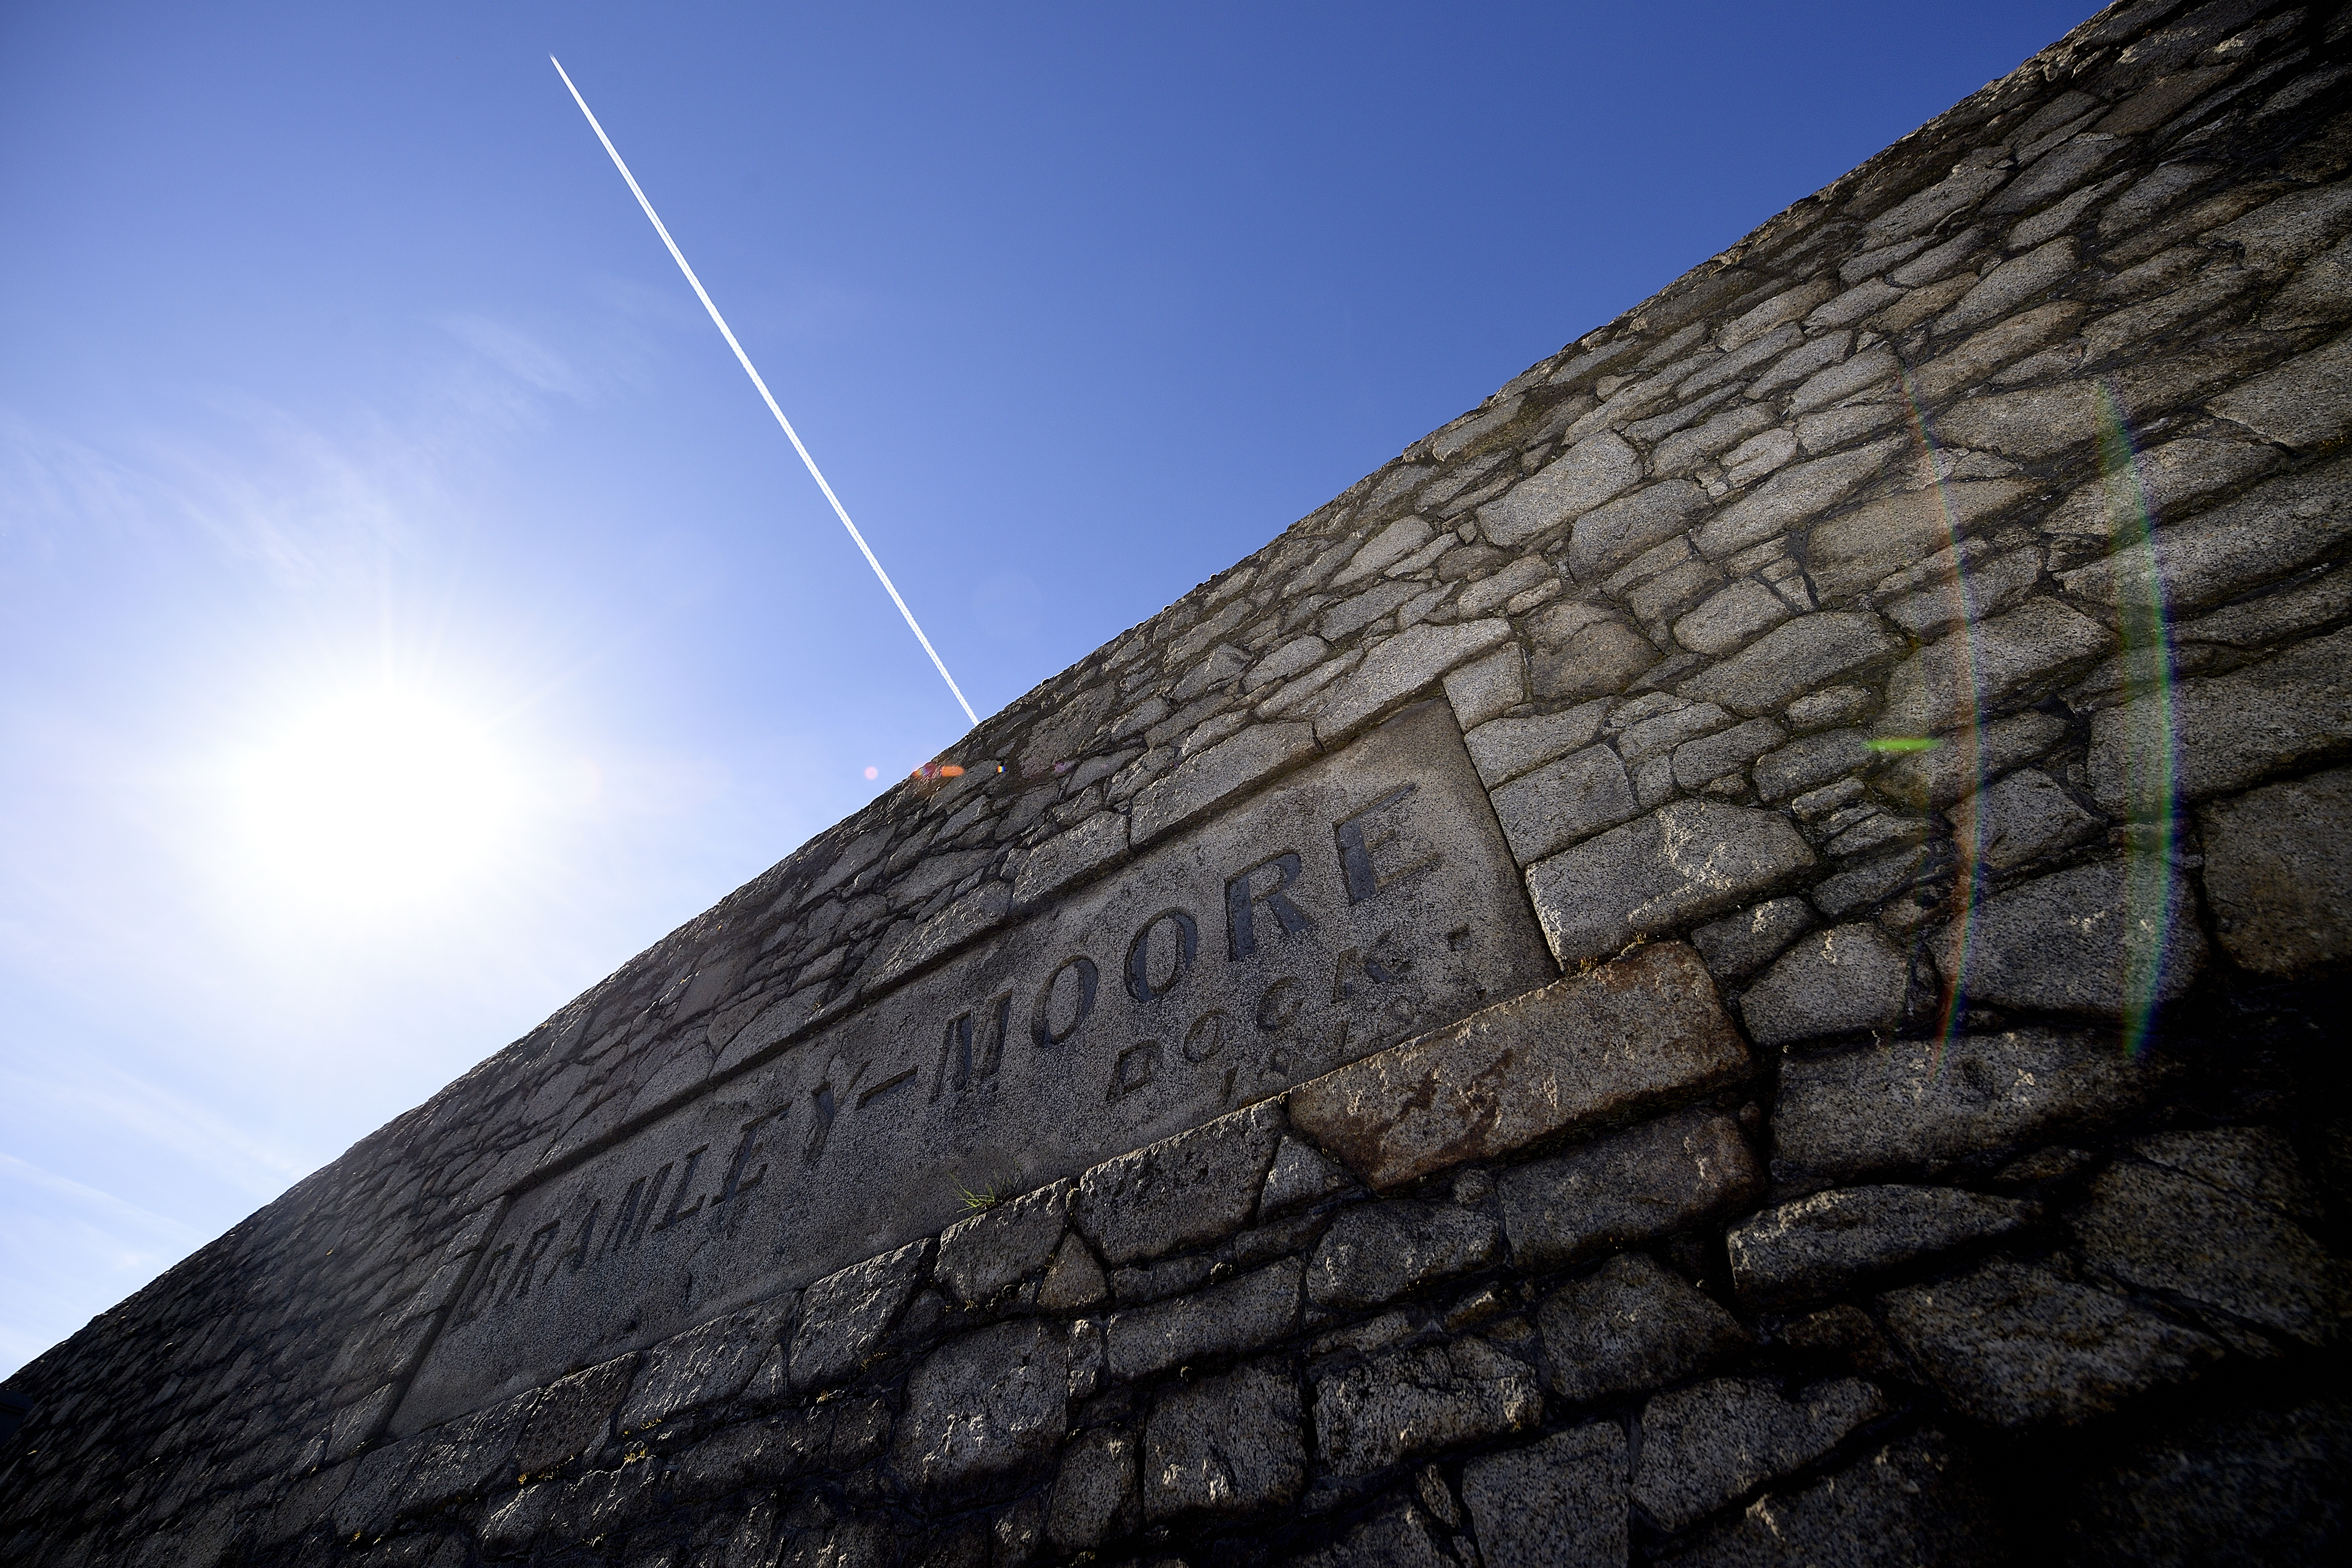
x=1354, y=903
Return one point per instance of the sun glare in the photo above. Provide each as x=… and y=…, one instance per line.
x=375, y=799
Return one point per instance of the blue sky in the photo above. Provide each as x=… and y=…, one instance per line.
x=406, y=610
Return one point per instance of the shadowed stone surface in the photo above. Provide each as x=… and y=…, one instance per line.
x=1225, y=1445
x=2245, y=1489
x=1375, y=1253
x=1821, y=1244
x=1577, y=1051
x=1834, y=982
x=2013, y=1345
x=2085, y=940
x=1909, y=1107
x=1677, y=865
x=1094, y=1494
x=1704, y=1446
x=844, y=1316
x=983, y=1405
x=1631, y=1325
x=1626, y=1189
x=1559, y=1503
x=2278, y=871
x=1236, y=1317
x=1917, y=1502
x=2165, y=1231
x=1419, y=1402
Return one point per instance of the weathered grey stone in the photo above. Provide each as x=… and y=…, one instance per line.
x=2172, y=478
x=1808, y=652
x=2017, y=819
x=1587, y=1050
x=1735, y=616
x=1373, y=1415
x=1954, y=768
x=1563, y=802
x=1834, y=982
x=1951, y=682
x=982, y=1406
x=1073, y=1280
x=844, y=1316
x=463, y=1458
x=1686, y=449
x=1559, y=1503
x=2106, y=938
x=1811, y=761
x=1916, y=1502
x=2300, y=404
x=1385, y=549
x=1704, y=1446
x=1702, y=761
x=1923, y=1107
x=1588, y=473
x=704, y=1366
x=1822, y=1244
x=2226, y=733
x=1353, y=614
x=1299, y=654
x=1187, y=1191
x=574, y=1416
x=1609, y=536
x=2165, y=1231
x=1374, y=1253
x=1968, y=583
x=2011, y=283
x=974, y=914
x=1231, y=1319
x=1873, y=369
x=1850, y=552
x=1225, y=1445
x=1157, y=1281
x=1825, y=349
x=1631, y=1325
x=601, y=1503
x=1095, y=1492
x=2011, y=1344
x=982, y=1256
x=1301, y=1175
x=2242, y=1490
x=508, y=1528
x=1739, y=945
x=1485, y=688
x=2273, y=529
x=1791, y=496
x=2278, y=871
x=1600, y=658
x=1625, y=1189
x=1070, y=857
x=1207, y=780
x=1394, y=669
x=2038, y=422
x=1641, y=738
x=1506, y=748
x=1487, y=594
x=1964, y=364
x=1683, y=862
x=2256, y=1163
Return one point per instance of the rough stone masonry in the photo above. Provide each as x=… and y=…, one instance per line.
x=1738, y=959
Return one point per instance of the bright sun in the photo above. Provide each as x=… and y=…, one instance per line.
x=377, y=798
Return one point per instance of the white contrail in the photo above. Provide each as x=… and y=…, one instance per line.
x=766, y=397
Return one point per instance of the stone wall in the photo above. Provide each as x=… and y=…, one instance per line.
x=1738, y=958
